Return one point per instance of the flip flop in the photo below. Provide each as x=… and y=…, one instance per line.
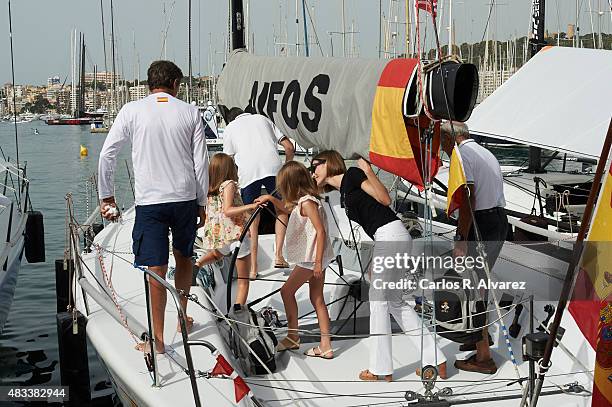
x=287, y=344
x=368, y=376
x=312, y=352
x=281, y=264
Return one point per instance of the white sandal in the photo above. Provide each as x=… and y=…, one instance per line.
x=287, y=344
x=312, y=352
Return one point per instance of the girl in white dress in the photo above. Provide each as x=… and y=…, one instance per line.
x=308, y=246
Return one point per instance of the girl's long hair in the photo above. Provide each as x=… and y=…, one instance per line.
x=294, y=181
x=220, y=169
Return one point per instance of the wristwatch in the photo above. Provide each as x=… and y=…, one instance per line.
x=458, y=237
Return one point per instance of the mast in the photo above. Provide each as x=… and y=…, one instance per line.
x=536, y=43
x=104, y=48
x=450, y=27
x=72, y=74
x=82, y=78
x=600, y=14
x=577, y=34
x=379, y=28
x=408, y=29
x=95, y=86
x=306, y=50
x=114, y=77
x=343, y=31
x=237, y=25
x=189, y=46
x=297, y=28
x=14, y=99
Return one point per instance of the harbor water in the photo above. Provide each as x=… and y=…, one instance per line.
x=28, y=343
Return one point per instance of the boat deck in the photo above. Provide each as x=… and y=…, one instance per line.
x=299, y=380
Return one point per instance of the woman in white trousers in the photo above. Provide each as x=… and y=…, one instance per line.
x=367, y=201
x=389, y=240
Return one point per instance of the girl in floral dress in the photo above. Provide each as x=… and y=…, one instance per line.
x=226, y=216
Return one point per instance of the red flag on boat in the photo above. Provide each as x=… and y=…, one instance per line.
x=222, y=367
x=431, y=6
x=241, y=389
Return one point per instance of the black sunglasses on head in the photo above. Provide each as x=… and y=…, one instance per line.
x=314, y=165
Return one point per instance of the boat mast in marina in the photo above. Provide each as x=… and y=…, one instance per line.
x=113, y=107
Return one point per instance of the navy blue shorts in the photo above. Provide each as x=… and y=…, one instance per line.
x=253, y=190
x=151, y=228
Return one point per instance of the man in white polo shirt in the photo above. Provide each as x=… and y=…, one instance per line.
x=252, y=140
x=485, y=185
x=171, y=175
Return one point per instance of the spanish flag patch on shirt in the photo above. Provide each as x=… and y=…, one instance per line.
x=162, y=99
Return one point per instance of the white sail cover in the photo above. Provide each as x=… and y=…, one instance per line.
x=319, y=102
x=560, y=100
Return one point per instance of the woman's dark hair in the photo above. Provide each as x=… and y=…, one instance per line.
x=334, y=162
x=163, y=74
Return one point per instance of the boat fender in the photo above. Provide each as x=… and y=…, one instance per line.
x=74, y=365
x=64, y=271
x=35, y=238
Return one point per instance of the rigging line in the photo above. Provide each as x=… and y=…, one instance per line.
x=10, y=17
x=314, y=28
x=488, y=19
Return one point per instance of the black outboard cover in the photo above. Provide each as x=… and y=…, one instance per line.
x=35, y=238
x=460, y=83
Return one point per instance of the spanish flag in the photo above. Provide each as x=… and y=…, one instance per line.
x=591, y=305
x=395, y=144
x=456, y=182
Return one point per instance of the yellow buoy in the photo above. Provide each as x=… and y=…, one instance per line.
x=84, y=151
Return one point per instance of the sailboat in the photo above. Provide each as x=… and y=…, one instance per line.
x=202, y=369
x=19, y=224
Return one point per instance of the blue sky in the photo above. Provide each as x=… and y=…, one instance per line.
x=41, y=29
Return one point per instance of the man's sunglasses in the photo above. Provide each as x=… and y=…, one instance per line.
x=314, y=165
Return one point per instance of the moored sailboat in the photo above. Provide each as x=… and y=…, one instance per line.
x=202, y=369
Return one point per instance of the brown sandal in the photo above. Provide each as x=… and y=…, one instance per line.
x=471, y=364
x=368, y=376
